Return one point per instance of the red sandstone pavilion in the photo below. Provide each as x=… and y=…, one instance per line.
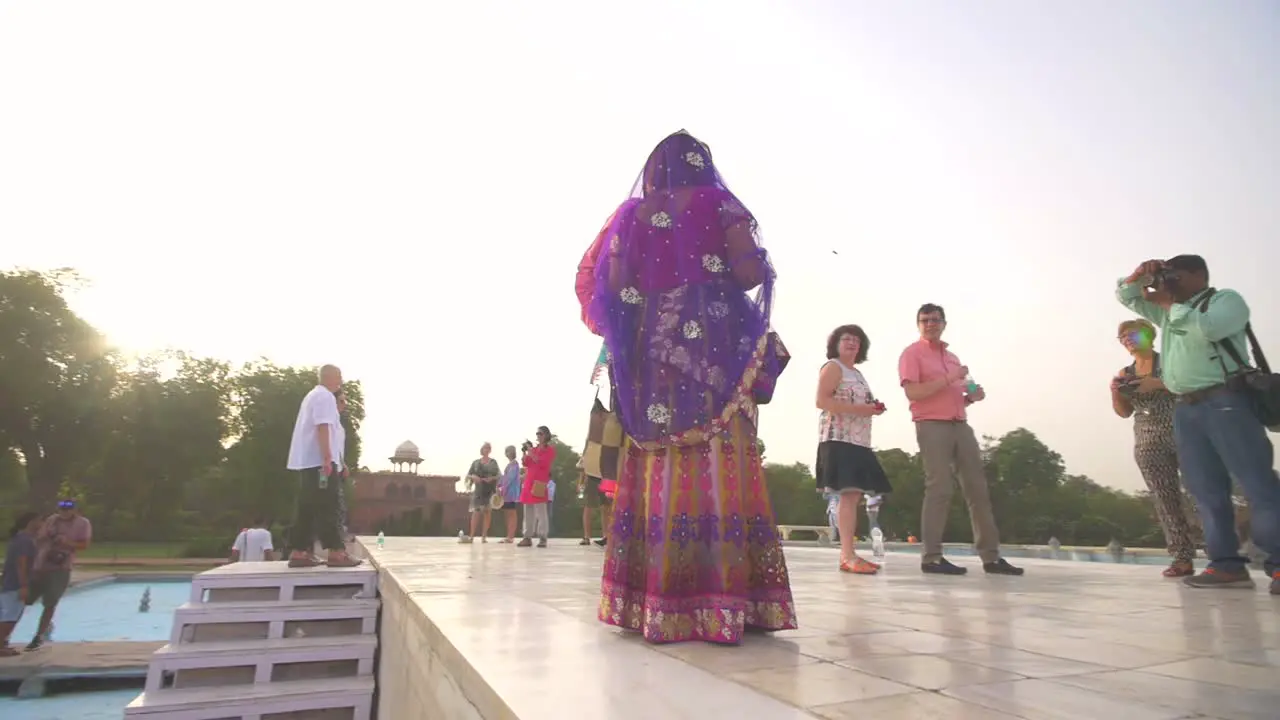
x=402, y=498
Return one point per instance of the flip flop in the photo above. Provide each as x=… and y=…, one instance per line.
x=303, y=562
x=343, y=561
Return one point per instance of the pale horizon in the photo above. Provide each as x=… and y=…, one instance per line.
x=405, y=191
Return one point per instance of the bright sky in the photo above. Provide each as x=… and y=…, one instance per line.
x=405, y=188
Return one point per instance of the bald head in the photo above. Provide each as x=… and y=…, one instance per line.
x=331, y=377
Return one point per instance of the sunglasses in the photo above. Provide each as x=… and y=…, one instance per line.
x=66, y=504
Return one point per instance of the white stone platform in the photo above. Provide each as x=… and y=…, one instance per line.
x=262, y=641
x=494, y=631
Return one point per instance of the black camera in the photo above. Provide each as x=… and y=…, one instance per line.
x=526, y=447
x=1164, y=278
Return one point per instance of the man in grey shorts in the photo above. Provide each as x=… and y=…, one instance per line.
x=62, y=535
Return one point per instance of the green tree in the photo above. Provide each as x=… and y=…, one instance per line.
x=794, y=495
x=13, y=487
x=900, y=512
x=566, y=511
x=56, y=378
x=169, y=421
x=264, y=407
x=1024, y=476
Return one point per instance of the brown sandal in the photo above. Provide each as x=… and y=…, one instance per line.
x=858, y=566
x=1179, y=568
x=305, y=561
x=343, y=560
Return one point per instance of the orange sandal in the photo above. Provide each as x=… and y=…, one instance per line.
x=859, y=567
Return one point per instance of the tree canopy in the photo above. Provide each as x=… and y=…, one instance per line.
x=165, y=447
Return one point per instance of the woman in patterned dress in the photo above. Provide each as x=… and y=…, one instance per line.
x=846, y=463
x=483, y=476
x=680, y=289
x=1138, y=392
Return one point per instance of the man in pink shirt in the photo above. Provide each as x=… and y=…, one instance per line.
x=935, y=383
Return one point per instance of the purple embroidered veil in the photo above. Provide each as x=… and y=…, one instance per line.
x=681, y=292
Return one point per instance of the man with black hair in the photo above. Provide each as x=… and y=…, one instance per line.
x=934, y=381
x=1217, y=430
x=253, y=544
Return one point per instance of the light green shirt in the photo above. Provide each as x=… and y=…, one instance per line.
x=1189, y=361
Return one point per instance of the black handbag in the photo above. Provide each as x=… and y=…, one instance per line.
x=1257, y=382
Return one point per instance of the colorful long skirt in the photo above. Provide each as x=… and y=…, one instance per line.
x=693, y=552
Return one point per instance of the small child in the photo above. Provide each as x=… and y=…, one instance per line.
x=15, y=584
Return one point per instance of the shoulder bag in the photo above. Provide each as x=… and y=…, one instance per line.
x=1258, y=383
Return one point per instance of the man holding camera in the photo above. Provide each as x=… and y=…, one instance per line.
x=1218, y=433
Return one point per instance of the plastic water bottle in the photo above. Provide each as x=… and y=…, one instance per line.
x=970, y=386
x=877, y=545
x=382, y=539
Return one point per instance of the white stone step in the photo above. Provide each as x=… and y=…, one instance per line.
x=277, y=581
x=258, y=658
x=253, y=702
x=268, y=620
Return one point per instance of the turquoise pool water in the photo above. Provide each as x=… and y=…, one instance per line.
x=107, y=705
x=104, y=611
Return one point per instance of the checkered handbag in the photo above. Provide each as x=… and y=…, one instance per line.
x=604, y=447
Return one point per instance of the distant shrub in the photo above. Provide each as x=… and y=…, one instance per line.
x=207, y=547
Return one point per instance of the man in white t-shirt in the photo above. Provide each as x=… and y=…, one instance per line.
x=253, y=544
x=314, y=454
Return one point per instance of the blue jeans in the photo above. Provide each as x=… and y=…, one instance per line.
x=1220, y=438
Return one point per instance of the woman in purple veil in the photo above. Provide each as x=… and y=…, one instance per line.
x=680, y=288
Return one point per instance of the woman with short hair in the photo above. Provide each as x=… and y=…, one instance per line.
x=483, y=476
x=509, y=486
x=1138, y=392
x=846, y=464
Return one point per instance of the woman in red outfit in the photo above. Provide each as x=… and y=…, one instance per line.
x=533, y=491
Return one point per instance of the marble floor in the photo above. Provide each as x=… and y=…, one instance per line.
x=1067, y=640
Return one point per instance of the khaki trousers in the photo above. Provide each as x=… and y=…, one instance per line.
x=945, y=447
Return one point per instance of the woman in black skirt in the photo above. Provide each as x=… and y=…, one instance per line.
x=846, y=463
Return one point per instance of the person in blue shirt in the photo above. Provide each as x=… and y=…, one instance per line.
x=15, y=584
x=509, y=486
x=1216, y=429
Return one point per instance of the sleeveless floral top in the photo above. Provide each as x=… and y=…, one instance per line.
x=853, y=429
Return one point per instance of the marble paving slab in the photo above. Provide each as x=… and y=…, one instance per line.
x=1067, y=640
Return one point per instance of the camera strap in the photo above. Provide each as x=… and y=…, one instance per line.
x=1242, y=365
